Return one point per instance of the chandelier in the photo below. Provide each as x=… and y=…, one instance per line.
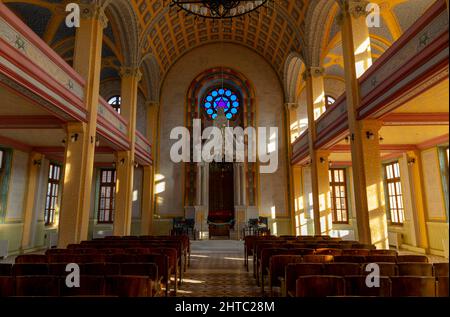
x=219, y=9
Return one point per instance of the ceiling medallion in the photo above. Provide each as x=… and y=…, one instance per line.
x=220, y=9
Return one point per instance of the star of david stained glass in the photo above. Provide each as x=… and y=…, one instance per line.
x=224, y=98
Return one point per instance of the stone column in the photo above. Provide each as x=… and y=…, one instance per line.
x=80, y=149
x=243, y=186
x=239, y=185
x=199, y=187
x=299, y=206
x=152, y=125
x=323, y=182
x=355, y=13
x=149, y=171
x=125, y=164
x=292, y=121
x=415, y=163
x=316, y=104
x=147, y=201
x=34, y=167
x=366, y=161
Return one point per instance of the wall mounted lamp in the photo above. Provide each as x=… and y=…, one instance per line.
x=370, y=135
x=411, y=161
x=74, y=137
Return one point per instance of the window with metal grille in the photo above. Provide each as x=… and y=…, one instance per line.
x=51, y=201
x=339, y=201
x=394, y=191
x=106, y=203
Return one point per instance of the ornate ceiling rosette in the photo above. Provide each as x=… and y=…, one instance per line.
x=220, y=9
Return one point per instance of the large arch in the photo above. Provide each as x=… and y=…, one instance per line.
x=272, y=192
x=199, y=86
x=292, y=76
x=126, y=20
x=316, y=17
x=151, y=72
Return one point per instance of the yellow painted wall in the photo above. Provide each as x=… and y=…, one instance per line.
x=437, y=220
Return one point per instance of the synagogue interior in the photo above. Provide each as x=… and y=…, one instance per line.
x=114, y=154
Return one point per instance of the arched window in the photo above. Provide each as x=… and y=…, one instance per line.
x=115, y=103
x=329, y=101
x=224, y=98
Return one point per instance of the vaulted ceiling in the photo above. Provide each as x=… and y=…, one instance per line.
x=168, y=34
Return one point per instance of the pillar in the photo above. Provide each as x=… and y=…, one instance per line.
x=323, y=183
x=243, y=185
x=152, y=125
x=372, y=170
x=292, y=133
x=315, y=97
x=80, y=143
x=418, y=199
x=125, y=164
x=34, y=168
x=299, y=206
x=148, y=186
x=147, y=201
x=360, y=35
x=198, y=192
x=366, y=161
x=292, y=121
x=237, y=182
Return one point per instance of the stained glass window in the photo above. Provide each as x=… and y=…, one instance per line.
x=224, y=98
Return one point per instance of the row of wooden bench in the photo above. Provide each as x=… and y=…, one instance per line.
x=284, y=260
x=284, y=270
x=356, y=286
x=90, y=285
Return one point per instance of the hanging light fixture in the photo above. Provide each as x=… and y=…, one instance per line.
x=219, y=9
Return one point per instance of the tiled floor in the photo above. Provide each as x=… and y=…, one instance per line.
x=217, y=270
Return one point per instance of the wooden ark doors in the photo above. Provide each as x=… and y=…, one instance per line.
x=221, y=192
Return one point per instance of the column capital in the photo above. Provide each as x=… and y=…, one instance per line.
x=93, y=10
x=355, y=8
x=151, y=103
x=131, y=72
x=36, y=158
x=291, y=105
x=311, y=72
